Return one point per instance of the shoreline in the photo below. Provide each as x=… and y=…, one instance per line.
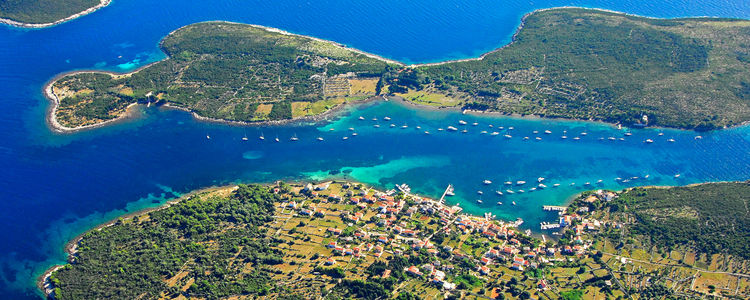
x=304, y=119
x=71, y=246
x=12, y=23
x=496, y=114
x=51, y=116
x=59, y=128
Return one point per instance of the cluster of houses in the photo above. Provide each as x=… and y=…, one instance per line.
x=398, y=236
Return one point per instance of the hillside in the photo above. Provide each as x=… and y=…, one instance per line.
x=226, y=71
x=711, y=218
x=340, y=240
x=43, y=11
x=567, y=63
x=588, y=64
x=145, y=257
x=676, y=242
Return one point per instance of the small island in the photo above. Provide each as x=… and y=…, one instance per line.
x=45, y=13
x=335, y=240
x=562, y=63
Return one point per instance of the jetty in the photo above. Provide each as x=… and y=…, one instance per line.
x=554, y=208
x=449, y=189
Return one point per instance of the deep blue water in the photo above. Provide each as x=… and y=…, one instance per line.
x=57, y=186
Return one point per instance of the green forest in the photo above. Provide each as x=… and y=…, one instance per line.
x=198, y=237
x=714, y=218
x=219, y=70
x=586, y=64
x=42, y=11
x=563, y=63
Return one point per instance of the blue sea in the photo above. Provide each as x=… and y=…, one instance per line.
x=55, y=187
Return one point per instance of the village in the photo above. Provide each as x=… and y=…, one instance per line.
x=341, y=230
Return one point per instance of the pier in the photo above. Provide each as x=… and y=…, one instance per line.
x=449, y=189
x=554, y=208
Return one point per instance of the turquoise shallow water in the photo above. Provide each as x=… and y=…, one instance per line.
x=57, y=186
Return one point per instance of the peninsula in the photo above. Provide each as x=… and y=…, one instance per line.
x=45, y=13
x=562, y=63
x=335, y=240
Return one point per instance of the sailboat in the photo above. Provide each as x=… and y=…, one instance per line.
x=277, y=139
x=244, y=137
x=294, y=138
x=261, y=137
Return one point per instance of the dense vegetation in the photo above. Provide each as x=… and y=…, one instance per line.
x=219, y=70
x=713, y=218
x=585, y=64
x=570, y=63
x=42, y=11
x=185, y=249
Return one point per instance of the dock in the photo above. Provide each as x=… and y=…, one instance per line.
x=554, y=208
x=447, y=190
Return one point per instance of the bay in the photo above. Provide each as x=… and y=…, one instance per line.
x=58, y=186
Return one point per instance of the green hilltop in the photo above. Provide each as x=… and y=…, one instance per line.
x=563, y=63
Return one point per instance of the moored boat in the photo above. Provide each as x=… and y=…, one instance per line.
x=405, y=188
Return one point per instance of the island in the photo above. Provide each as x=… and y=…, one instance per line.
x=562, y=63
x=340, y=239
x=45, y=13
